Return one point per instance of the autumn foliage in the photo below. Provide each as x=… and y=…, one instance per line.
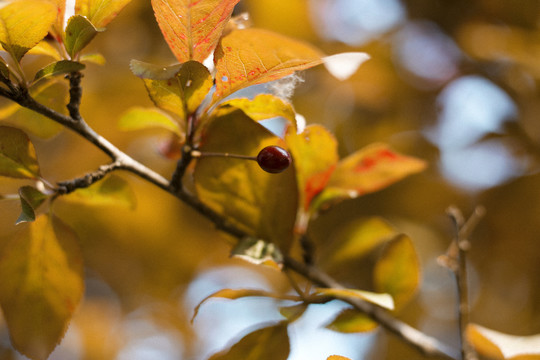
x=213, y=133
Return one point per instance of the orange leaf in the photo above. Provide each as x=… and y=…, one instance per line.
x=254, y=56
x=337, y=357
x=367, y=170
x=192, y=28
x=315, y=158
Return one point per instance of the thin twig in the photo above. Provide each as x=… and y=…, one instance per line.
x=456, y=259
x=427, y=345
x=66, y=187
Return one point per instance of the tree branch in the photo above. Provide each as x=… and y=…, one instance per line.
x=427, y=345
x=455, y=260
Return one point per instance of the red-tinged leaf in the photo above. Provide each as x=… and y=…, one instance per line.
x=192, y=28
x=398, y=271
x=17, y=154
x=41, y=285
x=58, y=68
x=315, y=157
x=380, y=299
x=100, y=12
x=356, y=240
x=31, y=199
x=25, y=23
x=263, y=106
x=79, y=32
x=233, y=294
x=254, y=56
x=337, y=357
x=367, y=170
x=352, y=321
x=261, y=204
x=269, y=343
x=112, y=191
x=496, y=345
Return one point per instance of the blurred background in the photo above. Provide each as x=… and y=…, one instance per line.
x=451, y=82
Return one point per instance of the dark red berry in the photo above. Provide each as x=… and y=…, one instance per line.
x=274, y=159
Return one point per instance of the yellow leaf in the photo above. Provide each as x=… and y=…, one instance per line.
x=262, y=204
x=24, y=23
x=254, y=56
x=263, y=106
x=51, y=94
x=398, y=271
x=41, y=284
x=233, y=294
x=112, y=191
x=352, y=321
x=357, y=239
x=17, y=154
x=192, y=28
x=337, y=357
x=138, y=118
x=269, y=343
x=380, y=299
x=100, y=12
x=497, y=345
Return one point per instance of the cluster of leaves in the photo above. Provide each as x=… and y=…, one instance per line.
x=41, y=268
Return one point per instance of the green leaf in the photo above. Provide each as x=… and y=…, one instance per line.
x=138, y=118
x=58, y=68
x=315, y=157
x=31, y=199
x=263, y=106
x=368, y=170
x=196, y=81
x=111, y=191
x=269, y=343
x=79, y=32
x=100, y=12
x=41, y=285
x=357, y=239
x=254, y=56
x=261, y=204
x=192, y=28
x=51, y=94
x=496, y=345
x=259, y=252
x=233, y=294
x=17, y=154
x=397, y=272
x=152, y=71
x=381, y=299
x=352, y=321
x=23, y=24
x=180, y=94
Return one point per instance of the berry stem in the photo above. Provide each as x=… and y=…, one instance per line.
x=200, y=154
